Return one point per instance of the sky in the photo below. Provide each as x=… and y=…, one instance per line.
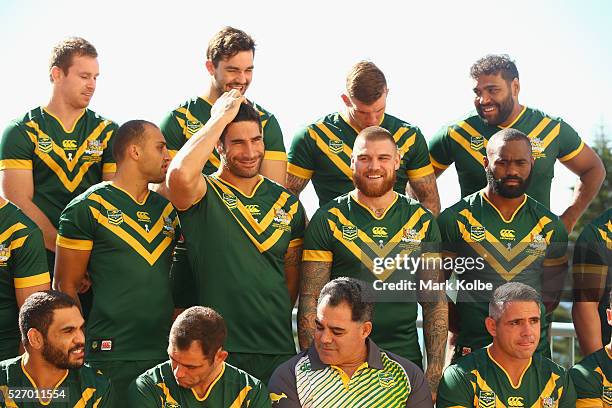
x=152, y=58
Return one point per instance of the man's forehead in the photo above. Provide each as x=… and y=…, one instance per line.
x=243, y=129
x=238, y=59
x=384, y=146
x=521, y=310
x=504, y=148
x=68, y=316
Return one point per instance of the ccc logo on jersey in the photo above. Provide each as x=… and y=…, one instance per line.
x=379, y=232
x=335, y=146
x=507, y=234
x=69, y=144
x=143, y=216
x=515, y=402
x=253, y=209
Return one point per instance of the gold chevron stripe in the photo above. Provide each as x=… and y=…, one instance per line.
x=552, y=135
x=535, y=132
x=166, y=392
x=471, y=131
x=11, y=230
x=340, y=164
x=466, y=145
x=85, y=397
x=548, y=390
x=241, y=397
x=482, y=384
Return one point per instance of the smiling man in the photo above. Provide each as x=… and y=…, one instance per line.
x=508, y=373
x=51, y=328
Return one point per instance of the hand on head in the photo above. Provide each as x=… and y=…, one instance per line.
x=227, y=106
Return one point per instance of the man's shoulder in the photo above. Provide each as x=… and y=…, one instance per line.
x=8, y=369
x=588, y=364
x=235, y=376
x=394, y=124
x=157, y=374
x=408, y=366
x=97, y=118
x=14, y=215
x=96, y=193
x=36, y=115
x=263, y=112
x=471, y=118
x=471, y=201
x=540, y=209
x=547, y=365
x=300, y=361
x=91, y=377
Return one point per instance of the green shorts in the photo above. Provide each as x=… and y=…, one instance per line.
x=122, y=373
x=260, y=366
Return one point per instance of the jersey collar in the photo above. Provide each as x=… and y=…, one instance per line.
x=515, y=119
x=353, y=196
x=210, y=387
x=483, y=195
x=373, y=359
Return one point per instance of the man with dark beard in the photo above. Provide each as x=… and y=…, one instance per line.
x=496, y=87
x=369, y=234
x=507, y=235
x=243, y=235
x=52, y=372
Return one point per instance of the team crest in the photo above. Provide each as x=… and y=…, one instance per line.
x=230, y=200
x=44, y=143
x=476, y=142
x=349, y=232
x=169, y=404
x=606, y=395
x=115, y=217
x=193, y=126
x=282, y=220
x=168, y=229
x=5, y=253
x=486, y=399
x=538, y=242
x=477, y=233
x=305, y=367
x=277, y=397
x=94, y=148
x=410, y=235
x=548, y=402
x=537, y=148
x=335, y=146
x=386, y=380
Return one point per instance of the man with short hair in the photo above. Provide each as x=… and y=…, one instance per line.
x=359, y=235
x=322, y=151
x=344, y=367
x=229, y=61
x=507, y=236
x=243, y=235
x=56, y=152
x=496, y=89
x=124, y=234
x=592, y=377
x=508, y=373
x=592, y=274
x=23, y=271
x=196, y=375
x=52, y=372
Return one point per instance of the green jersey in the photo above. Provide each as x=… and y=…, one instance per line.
x=592, y=267
x=322, y=151
x=479, y=381
x=346, y=233
x=236, y=246
x=131, y=246
x=157, y=388
x=592, y=378
x=514, y=250
x=23, y=264
x=464, y=143
x=81, y=388
x=180, y=124
x=64, y=162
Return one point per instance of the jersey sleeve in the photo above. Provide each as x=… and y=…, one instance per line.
x=283, y=388
x=449, y=232
x=588, y=388
x=298, y=225
x=273, y=140
x=301, y=155
x=16, y=149
x=29, y=264
x=454, y=390
x=109, y=399
x=570, y=143
x=440, y=149
x=108, y=161
x=420, y=393
x=568, y=398
x=76, y=226
x=258, y=397
x=556, y=253
x=173, y=133
x=318, y=239
x=415, y=160
x=142, y=393
x=181, y=278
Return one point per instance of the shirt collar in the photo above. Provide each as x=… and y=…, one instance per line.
x=373, y=359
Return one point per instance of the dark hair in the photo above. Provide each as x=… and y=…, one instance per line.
x=365, y=82
x=131, y=132
x=227, y=43
x=246, y=113
x=375, y=133
x=201, y=324
x=349, y=291
x=62, y=53
x=37, y=311
x=511, y=292
x=494, y=63
x=511, y=135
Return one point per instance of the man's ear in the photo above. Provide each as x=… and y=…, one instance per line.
x=346, y=100
x=35, y=339
x=220, y=356
x=210, y=67
x=366, y=329
x=485, y=161
x=491, y=326
x=55, y=73
x=515, y=86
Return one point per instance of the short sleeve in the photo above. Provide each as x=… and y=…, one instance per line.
x=142, y=393
x=318, y=239
x=415, y=161
x=273, y=140
x=570, y=143
x=283, y=388
x=420, y=393
x=29, y=260
x=76, y=226
x=568, y=398
x=109, y=399
x=556, y=253
x=16, y=149
x=440, y=149
x=449, y=231
x=298, y=225
x=586, y=386
x=454, y=390
x=589, y=266
x=181, y=278
x=173, y=133
x=301, y=155
x=108, y=161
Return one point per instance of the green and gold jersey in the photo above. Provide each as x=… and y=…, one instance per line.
x=478, y=381
x=236, y=246
x=82, y=388
x=357, y=243
x=322, y=151
x=514, y=250
x=23, y=264
x=464, y=143
x=131, y=247
x=592, y=379
x=234, y=388
x=383, y=380
x=64, y=162
x=180, y=124
x=592, y=267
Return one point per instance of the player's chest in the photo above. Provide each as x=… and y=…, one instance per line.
x=527, y=395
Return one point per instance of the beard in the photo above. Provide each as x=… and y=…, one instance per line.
x=503, y=112
x=371, y=188
x=499, y=185
x=60, y=359
x=234, y=167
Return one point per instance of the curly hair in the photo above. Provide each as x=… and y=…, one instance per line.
x=227, y=43
x=493, y=64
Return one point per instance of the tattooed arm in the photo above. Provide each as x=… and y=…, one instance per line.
x=295, y=184
x=425, y=190
x=314, y=276
x=293, y=258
